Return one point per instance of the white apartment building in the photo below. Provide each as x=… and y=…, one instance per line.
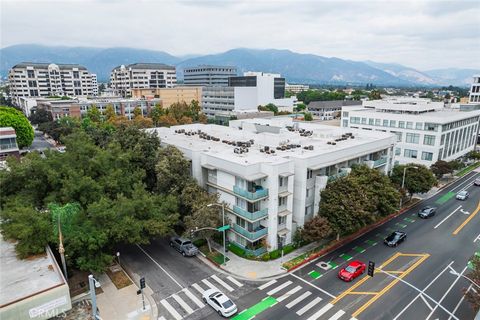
x=31, y=79
x=426, y=131
x=207, y=75
x=475, y=90
x=296, y=88
x=270, y=171
x=94, y=84
x=142, y=75
x=329, y=110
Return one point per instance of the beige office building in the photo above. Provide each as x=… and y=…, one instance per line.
x=169, y=95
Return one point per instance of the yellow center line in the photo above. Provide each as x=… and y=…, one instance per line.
x=470, y=217
x=362, y=292
x=389, y=286
x=412, y=254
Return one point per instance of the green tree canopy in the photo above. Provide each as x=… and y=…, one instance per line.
x=440, y=168
x=41, y=116
x=418, y=178
x=316, y=229
x=11, y=117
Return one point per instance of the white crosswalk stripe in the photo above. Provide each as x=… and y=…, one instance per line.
x=299, y=299
x=193, y=298
x=183, y=304
x=265, y=285
x=289, y=293
x=309, y=306
x=235, y=281
x=209, y=284
x=198, y=288
x=337, y=315
x=223, y=283
x=280, y=287
x=321, y=312
x=170, y=309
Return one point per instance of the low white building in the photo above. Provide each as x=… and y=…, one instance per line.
x=426, y=131
x=296, y=88
x=475, y=90
x=271, y=171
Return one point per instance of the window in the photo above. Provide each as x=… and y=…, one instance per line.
x=282, y=201
x=308, y=210
x=385, y=123
x=309, y=174
x=377, y=122
x=427, y=156
x=412, y=138
x=282, y=220
x=429, y=140
x=442, y=140
x=399, y=136
x=30, y=74
x=398, y=151
x=76, y=75
x=309, y=192
x=393, y=123
x=419, y=125
x=282, y=181
x=371, y=121
x=431, y=127
x=345, y=123
x=401, y=124
x=410, y=153
x=409, y=125
x=364, y=120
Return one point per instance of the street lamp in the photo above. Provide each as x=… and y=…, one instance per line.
x=223, y=224
x=455, y=273
x=93, y=283
x=403, y=181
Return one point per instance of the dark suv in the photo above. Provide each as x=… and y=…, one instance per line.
x=184, y=246
x=395, y=238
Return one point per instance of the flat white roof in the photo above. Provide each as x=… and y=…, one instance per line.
x=445, y=115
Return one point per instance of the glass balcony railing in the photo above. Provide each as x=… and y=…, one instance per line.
x=252, y=235
x=258, y=194
x=251, y=215
x=340, y=174
x=380, y=162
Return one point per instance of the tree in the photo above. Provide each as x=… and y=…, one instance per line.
x=316, y=229
x=167, y=121
x=374, y=95
x=456, y=165
x=418, y=178
x=440, y=168
x=307, y=116
x=137, y=112
x=110, y=113
x=300, y=107
x=473, y=155
x=94, y=114
x=173, y=170
x=156, y=112
x=10, y=117
x=473, y=296
x=41, y=116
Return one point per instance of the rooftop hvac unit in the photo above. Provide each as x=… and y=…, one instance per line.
x=236, y=150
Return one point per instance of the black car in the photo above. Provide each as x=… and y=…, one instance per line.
x=395, y=238
x=427, y=212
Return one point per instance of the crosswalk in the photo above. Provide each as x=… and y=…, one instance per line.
x=302, y=302
x=188, y=300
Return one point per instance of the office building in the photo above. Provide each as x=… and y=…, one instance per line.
x=143, y=76
x=270, y=171
x=94, y=84
x=8, y=143
x=205, y=75
x=475, y=90
x=329, y=110
x=426, y=131
x=30, y=79
x=170, y=95
x=296, y=88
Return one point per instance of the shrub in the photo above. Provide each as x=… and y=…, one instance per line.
x=266, y=256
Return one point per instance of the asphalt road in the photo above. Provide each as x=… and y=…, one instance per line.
x=39, y=142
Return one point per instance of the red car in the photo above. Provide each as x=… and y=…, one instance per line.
x=353, y=270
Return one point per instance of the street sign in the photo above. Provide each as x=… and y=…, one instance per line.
x=371, y=268
x=224, y=228
x=142, y=283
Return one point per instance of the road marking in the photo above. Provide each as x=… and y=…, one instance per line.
x=256, y=309
x=299, y=299
x=362, y=292
x=323, y=265
x=464, y=212
x=182, y=304
x=477, y=238
x=314, y=286
x=170, y=309
x=426, y=302
x=371, y=242
x=237, y=283
x=401, y=225
x=425, y=289
x=198, y=288
x=337, y=315
x=263, y=286
x=470, y=217
x=346, y=257
x=158, y=265
x=314, y=274
x=289, y=293
x=467, y=182
x=223, y=283
x=309, y=306
x=460, y=302
x=446, y=217
x=162, y=318
x=409, y=220
x=209, y=284
x=333, y=265
x=193, y=298
x=447, y=196
x=280, y=287
x=320, y=312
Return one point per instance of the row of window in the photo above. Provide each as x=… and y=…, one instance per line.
x=393, y=123
x=409, y=153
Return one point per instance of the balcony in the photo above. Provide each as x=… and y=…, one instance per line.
x=251, y=235
x=258, y=194
x=380, y=162
x=252, y=216
x=340, y=174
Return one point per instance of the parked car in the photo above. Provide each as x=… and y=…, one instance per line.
x=352, y=270
x=184, y=246
x=219, y=302
x=477, y=182
x=427, y=212
x=462, y=195
x=395, y=238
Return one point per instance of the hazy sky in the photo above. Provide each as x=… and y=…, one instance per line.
x=420, y=34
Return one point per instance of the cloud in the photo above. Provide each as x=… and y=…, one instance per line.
x=421, y=34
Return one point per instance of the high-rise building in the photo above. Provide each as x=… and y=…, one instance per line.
x=475, y=90
x=206, y=75
x=143, y=76
x=94, y=84
x=31, y=79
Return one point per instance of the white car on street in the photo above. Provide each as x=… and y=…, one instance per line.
x=462, y=195
x=219, y=302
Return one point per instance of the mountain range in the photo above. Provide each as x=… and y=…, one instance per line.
x=295, y=67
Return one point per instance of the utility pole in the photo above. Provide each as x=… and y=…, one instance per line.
x=92, y=282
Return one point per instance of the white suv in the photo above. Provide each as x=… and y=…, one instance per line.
x=219, y=302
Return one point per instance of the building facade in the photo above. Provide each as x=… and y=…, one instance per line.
x=329, y=110
x=8, y=143
x=206, y=75
x=270, y=171
x=475, y=90
x=94, y=84
x=142, y=75
x=170, y=96
x=29, y=79
x=426, y=131
x=296, y=88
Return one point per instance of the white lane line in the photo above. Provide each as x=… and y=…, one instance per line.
x=289, y=293
x=209, y=284
x=446, y=292
x=182, y=304
x=309, y=306
x=263, y=286
x=476, y=239
x=158, y=265
x=193, y=298
x=447, y=217
x=467, y=181
x=162, y=318
x=299, y=299
x=237, y=283
x=353, y=318
x=223, y=283
x=426, y=302
x=418, y=295
x=320, y=312
x=311, y=284
x=460, y=302
x=198, y=288
x=337, y=315
x=280, y=287
x=170, y=309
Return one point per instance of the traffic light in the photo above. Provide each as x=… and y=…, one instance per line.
x=371, y=268
x=142, y=283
